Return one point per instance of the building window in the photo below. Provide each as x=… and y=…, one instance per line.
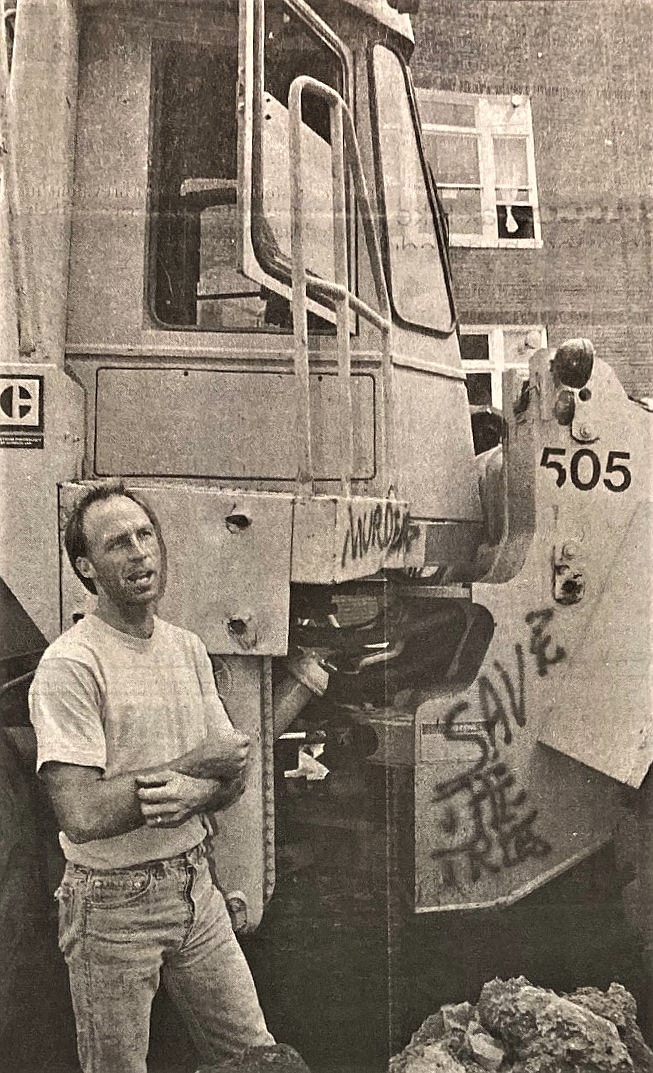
x=487, y=351
x=482, y=155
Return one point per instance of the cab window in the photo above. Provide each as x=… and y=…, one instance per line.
x=196, y=277
x=413, y=241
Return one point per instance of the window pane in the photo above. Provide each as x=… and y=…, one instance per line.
x=515, y=221
x=510, y=163
x=446, y=113
x=479, y=389
x=453, y=157
x=509, y=196
x=194, y=167
x=519, y=345
x=475, y=347
x=463, y=211
x=292, y=49
x=418, y=282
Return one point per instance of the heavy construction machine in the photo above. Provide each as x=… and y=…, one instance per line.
x=224, y=278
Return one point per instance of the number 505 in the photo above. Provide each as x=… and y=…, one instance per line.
x=585, y=468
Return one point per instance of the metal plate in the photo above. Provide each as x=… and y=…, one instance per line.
x=338, y=538
x=219, y=572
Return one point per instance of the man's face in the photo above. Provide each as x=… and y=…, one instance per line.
x=123, y=556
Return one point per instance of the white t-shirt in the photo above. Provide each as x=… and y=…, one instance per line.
x=103, y=698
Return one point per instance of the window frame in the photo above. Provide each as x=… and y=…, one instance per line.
x=183, y=32
x=489, y=122
x=437, y=214
x=497, y=364
x=276, y=273
x=166, y=35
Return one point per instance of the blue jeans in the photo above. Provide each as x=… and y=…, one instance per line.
x=123, y=932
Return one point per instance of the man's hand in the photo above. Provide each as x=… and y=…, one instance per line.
x=225, y=793
x=168, y=797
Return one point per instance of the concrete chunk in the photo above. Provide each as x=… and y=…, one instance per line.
x=487, y=1052
x=618, y=1005
x=435, y=1058
x=544, y=1033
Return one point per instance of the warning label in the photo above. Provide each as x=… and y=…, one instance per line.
x=21, y=411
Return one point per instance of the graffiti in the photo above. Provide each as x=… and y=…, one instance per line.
x=541, y=641
x=484, y=820
x=482, y=816
x=383, y=527
x=499, y=710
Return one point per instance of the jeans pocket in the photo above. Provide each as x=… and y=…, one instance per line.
x=113, y=890
x=65, y=896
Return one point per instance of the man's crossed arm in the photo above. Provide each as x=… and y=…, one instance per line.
x=90, y=806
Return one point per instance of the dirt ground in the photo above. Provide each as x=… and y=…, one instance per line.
x=346, y=983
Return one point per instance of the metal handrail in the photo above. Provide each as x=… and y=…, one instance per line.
x=344, y=151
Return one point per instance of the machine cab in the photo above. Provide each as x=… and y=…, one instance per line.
x=192, y=208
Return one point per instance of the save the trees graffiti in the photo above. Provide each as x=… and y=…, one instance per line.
x=499, y=708
x=482, y=820
x=484, y=817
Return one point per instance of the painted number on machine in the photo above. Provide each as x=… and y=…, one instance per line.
x=21, y=411
x=586, y=468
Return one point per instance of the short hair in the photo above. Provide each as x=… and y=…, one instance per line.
x=95, y=492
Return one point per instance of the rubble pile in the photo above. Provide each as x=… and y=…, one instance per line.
x=518, y=1028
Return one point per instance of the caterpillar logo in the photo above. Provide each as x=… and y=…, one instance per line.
x=21, y=411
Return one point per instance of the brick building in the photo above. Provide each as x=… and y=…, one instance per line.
x=538, y=123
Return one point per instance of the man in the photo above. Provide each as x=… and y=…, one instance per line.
x=134, y=745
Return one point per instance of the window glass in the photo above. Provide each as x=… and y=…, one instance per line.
x=418, y=283
x=454, y=158
x=479, y=389
x=514, y=214
x=510, y=166
x=448, y=113
x=463, y=209
x=292, y=48
x=515, y=221
x=475, y=347
x=519, y=345
x=196, y=275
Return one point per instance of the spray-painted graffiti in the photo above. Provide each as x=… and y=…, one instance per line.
x=484, y=819
x=541, y=641
x=481, y=814
x=500, y=702
x=379, y=526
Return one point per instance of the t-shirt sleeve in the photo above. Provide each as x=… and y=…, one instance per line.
x=65, y=712
x=215, y=712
